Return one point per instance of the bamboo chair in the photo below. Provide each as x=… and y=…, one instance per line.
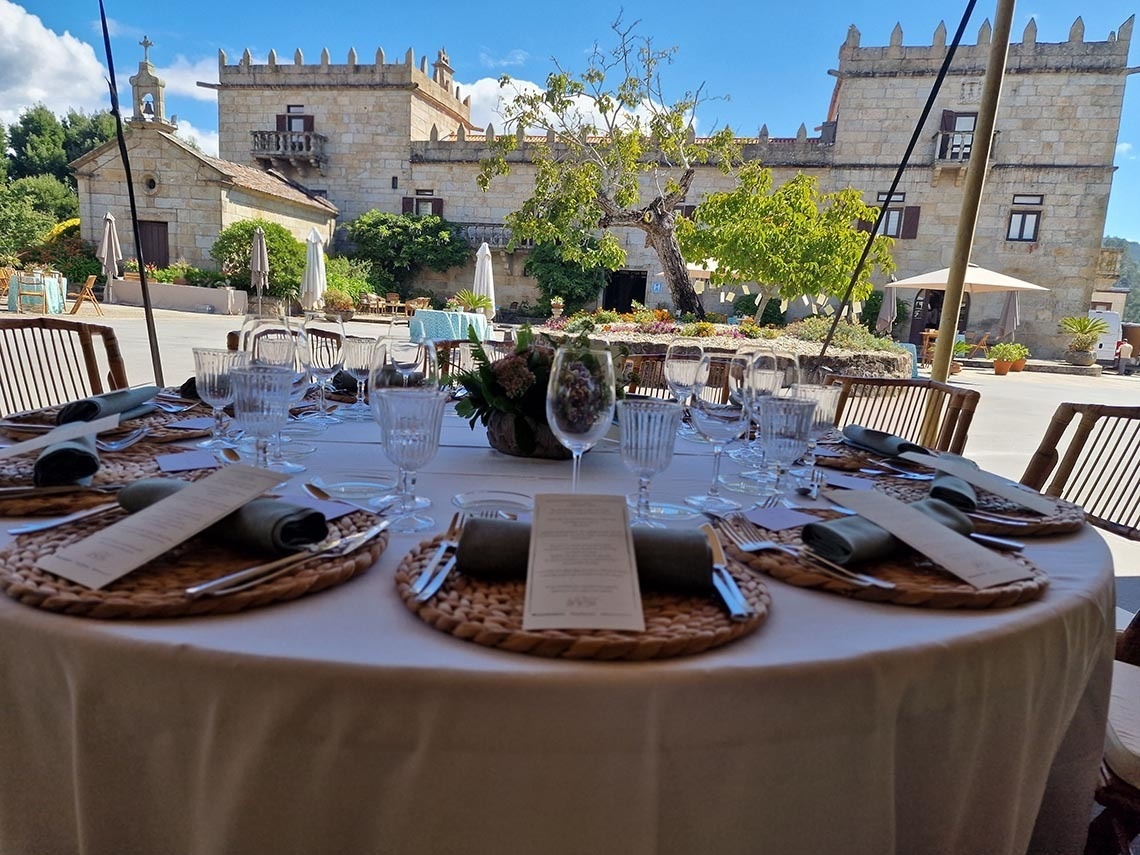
x=32, y=286
x=86, y=294
x=903, y=406
x=393, y=305
x=454, y=356
x=1099, y=468
x=49, y=361
x=647, y=378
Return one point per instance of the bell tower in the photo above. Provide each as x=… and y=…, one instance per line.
x=147, y=92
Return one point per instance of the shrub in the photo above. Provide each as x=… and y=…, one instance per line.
x=1004, y=351
x=848, y=336
x=336, y=300
x=1084, y=331
x=348, y=275
x=64, y=250
x=700, y=329
x=472, y=302
x=231, y=251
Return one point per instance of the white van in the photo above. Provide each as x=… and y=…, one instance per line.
x=1106, y=345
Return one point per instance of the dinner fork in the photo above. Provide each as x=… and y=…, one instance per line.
x=120, y=444
x=448, y=548
x=450, y=541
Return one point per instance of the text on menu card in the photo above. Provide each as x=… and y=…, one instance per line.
x=112, y=552
x=582, y=573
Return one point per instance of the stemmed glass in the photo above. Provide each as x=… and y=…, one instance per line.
x=410, y=421
x=785, y=424
x=412, y=358
x=772, y=372
x=580, y=400
x=321, y=345
x=281, y=352
x=826, y=400
x=358, y=357
x=261, y=403
x=648, y=433
x=212, y=371
x=720, y=423
x=686, y=369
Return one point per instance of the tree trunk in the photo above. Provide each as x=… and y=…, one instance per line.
x=664, y=241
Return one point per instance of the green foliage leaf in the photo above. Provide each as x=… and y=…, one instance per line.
x=232, y=248
x=400, y=245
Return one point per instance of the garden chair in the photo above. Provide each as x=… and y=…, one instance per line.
x=86, y=294
x=393, y=305
x=934, y=414
x=49, y=361
x=981, y=345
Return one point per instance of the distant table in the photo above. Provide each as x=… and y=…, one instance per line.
x=446, y=326
x=56, y=287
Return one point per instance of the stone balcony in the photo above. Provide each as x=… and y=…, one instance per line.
x=496, y=235
x=299, y=149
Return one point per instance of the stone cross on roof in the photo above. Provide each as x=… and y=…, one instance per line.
x=147, y=44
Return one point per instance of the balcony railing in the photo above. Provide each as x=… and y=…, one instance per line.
x=496, y=235
x=1109, y=263
x=293, y=147
x=954, y=146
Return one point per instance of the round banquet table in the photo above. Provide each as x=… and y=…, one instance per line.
x=341, y=723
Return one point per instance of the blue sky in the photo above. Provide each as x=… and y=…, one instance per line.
x=770, y=60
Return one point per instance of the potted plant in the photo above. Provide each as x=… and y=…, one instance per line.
x=338, y=303
x=1023, y=356
x=1003, y=354
x=557, y=304
x=472, y=302
x=1084, y=332
x=961, y=348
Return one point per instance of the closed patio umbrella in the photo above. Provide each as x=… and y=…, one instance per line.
x=888, y=311
x=314, y=280
x=1010, y=315
x=259, y=265
x=484, y=275
x=109, y=254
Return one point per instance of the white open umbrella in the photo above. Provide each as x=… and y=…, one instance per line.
x=259, y=264
x=313, y=282
x=484, y=276
x=979, y=280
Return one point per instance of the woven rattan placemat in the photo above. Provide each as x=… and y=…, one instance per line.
x=918, y=582
x=156, y=424
x=155, y=590
x=491, y=613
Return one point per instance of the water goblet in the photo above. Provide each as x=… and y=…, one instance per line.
x=580, y=400
x=321, y=346
x=384, y=375
x=720, y=423
x=212, y=370
x=261, y=404
x=826, y=400
x=416, y=362
x=784, y=425
x=358, y=357
x=410, y=421
x=648, y=433
x=685, y=370
x=280, y=351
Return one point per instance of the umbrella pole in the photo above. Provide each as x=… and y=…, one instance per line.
x=975, y=180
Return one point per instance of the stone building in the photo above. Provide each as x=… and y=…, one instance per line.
x=184, y=198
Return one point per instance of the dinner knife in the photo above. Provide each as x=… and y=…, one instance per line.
x=58, y=521
x=738, y=607
x=250, y=576
x=436, y=581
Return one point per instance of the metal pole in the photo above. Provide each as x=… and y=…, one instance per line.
x=975, y=181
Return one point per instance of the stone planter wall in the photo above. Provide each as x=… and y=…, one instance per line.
x=186, y=298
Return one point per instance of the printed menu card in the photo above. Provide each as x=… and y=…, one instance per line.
x=988, y=481
x=113, y=552
x=582, y=573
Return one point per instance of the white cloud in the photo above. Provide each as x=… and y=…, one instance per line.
x=182, y=76
x=117, y=29
x=72, y=79
x=511, y=57
x=207, y=140
x=1124, y=150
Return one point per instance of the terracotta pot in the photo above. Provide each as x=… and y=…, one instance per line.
x=502, y=435
x=1001, y=367
x=955, y=367
x=1018, y=365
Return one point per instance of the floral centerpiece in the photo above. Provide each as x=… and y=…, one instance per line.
x=508, y=397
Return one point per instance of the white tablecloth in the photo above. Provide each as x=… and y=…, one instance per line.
x=341, y=723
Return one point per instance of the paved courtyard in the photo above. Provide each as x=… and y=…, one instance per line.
x=1011, y=417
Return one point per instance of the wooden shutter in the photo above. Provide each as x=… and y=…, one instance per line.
x=282, y=122
x=408, y=205
x=909, y=229
x=437, y=207
x=307, y=122
x=948, y=119
x=863, y=225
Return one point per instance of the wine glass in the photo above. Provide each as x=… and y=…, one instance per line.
x=772, y=372
x=281, y=352
x=212, y=369
x=580, y=400
x=784, y=425
x=416, y=362
x=720, y=422
x=826, y=400
x=261, y=403
x=358, y=357
x=321, y=346
x=648, y=433
x=410, y=421
x=384, y=375
x=685, y=370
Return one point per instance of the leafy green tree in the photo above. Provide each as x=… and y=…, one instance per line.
x=83, y=132
x=232, y=249
x=558, y=277
x=3, y=153
x=617, y=154
x=792, y=240
x=400, y=245
x=36, y=140
x=21, y=225
x=48, y=195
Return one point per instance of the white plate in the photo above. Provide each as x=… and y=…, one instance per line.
x=493, y=500
x=344, y=485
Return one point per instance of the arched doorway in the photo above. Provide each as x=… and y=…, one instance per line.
x=926, y=313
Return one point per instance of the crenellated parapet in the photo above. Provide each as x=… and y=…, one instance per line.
x=1025, y=57
x=435, y=79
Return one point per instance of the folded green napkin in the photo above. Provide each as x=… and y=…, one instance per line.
x=131, y=403
x=70, y=462
x=848, y=540
x=677, y=562
x=880, y=441
x=267, y=526
x=954, y=491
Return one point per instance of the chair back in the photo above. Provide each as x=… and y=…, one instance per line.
x=646, y=372
x=1095, y=463
x=937, y=415
x=49, y=361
